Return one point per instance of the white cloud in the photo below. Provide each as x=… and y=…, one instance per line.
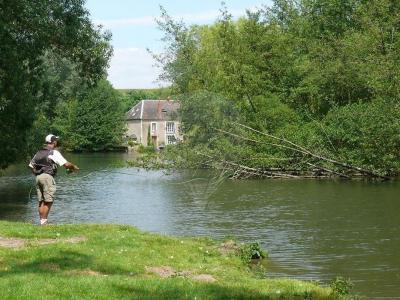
x=133, y=68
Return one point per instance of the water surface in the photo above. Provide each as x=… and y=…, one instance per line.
x=312, y=229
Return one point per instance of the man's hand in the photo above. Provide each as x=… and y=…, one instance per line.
x=71, y=166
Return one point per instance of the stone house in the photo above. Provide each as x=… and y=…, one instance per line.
x=154, y=119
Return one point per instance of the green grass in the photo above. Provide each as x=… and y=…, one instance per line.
x=111, y=264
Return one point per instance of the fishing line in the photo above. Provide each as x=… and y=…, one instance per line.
x=130, y=174
x=184, y=182
x=98, y=171
x=117, y=172
x=30, y=191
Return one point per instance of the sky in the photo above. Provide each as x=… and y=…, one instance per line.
x=133, y=27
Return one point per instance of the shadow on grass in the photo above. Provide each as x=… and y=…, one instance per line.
x=136, y=288
x=64, y=261
x=185, y=289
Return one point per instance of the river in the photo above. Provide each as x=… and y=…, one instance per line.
x=312, y=229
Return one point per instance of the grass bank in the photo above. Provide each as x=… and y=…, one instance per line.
x=121, y=262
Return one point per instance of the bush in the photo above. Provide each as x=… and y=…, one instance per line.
x=247, y=252
x=341, y=286
x=146, y=149
x=132, y=143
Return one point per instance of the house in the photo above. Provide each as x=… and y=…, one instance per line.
x=156, y=120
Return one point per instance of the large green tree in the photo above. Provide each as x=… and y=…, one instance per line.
x=92, y=122
x=29, y=31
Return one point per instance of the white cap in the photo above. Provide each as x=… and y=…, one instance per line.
x=51, y=138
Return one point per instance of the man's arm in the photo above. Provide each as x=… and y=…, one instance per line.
x=61, y=161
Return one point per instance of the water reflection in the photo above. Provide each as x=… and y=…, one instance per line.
x=312, y=229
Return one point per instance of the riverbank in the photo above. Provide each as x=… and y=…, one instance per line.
x=115, y=262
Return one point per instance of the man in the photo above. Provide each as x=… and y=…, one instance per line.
x=44, y=167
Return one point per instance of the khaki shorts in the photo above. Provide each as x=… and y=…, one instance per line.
x=45, y=187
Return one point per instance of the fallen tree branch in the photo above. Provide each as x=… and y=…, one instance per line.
x=260, y=142
x=303, y=150
x=254, y=171
x=329, y=171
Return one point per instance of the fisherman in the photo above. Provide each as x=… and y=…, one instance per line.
x=44, y=166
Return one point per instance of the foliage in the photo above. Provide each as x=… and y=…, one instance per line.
x=148, y=159
x=367, y=134
x=132, y=143
x=313, y=72
x=61, y=85
x=41, y=127
x=30, y=32
x=341, y=286
x=202, y=112
x=61, y=81
x=92, y=123
x=146, y=149
x=250, y=251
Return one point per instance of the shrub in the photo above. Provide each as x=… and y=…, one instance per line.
x=132, y=143
x=341, y=286
x=146, y=149
x=247, y=252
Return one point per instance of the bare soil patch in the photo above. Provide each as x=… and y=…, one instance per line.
x=49, y=267
x=11, y=242
x=17, y=243
x=85, y=272
x=72, y=240
x=163, y=272
x=204, y=278
x=75, y=239
x=168, y=272
x=228, y=247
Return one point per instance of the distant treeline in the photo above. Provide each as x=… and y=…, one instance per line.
x=287, y=85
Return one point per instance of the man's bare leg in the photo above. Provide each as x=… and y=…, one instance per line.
x=44, y=209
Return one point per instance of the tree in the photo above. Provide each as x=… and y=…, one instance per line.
x=28, y=31
x=94, y=122
x=303, y=70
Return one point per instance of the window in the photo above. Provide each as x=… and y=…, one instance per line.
x=153, y=127
x=170, y=127
x=171, y=139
